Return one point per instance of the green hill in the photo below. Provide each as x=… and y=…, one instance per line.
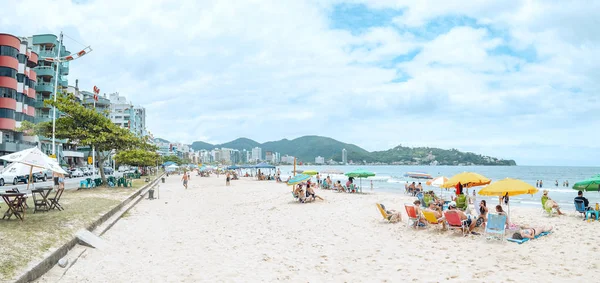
x=306, y=148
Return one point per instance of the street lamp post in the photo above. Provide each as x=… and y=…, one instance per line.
x=57, y=60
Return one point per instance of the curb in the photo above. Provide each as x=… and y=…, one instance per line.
x=49, y=261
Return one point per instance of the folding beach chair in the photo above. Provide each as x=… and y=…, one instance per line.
x=580, y=207
x=412, y=216
x=454, y=222
x=385, y=215
x=54, y=202
x=431, y=219
x=496, y=225
x=546, y=210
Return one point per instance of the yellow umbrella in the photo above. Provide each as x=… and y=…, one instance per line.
x=310, y=172
x=470, y=179
x=509, y=186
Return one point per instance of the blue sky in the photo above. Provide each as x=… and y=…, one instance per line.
x=515, y=80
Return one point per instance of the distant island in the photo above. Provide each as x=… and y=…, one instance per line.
x=307, y=148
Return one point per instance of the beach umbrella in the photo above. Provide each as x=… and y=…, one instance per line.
x=437, y=182
x=298, y=179
x=360, y=173
x=33, y=157
x=310, y=172
x=590, y=184
x=469, y=179
x=509, y=186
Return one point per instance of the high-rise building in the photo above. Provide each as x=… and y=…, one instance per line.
x=344, y=156
x=18, y=81
x=269, y=156
x=319, y=160
x=124, y=114
x=257, y=154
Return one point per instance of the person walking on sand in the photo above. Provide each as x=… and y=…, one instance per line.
x=185, y=180
x=227, y=179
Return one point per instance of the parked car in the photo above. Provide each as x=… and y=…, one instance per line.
x=7, y=177
x=44, y=175
x=86, y=171
x=108, y=170
x=76, y=172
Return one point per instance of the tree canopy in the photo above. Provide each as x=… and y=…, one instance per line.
x=137, y=157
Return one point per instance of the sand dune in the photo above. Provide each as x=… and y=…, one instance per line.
x=253, y=231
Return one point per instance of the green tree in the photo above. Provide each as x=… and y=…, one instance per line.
x=87, y=127
x=172, y=158
x=137, y=157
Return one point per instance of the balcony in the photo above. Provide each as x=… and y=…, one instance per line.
x=45, y=39
x=45, y=87
x=45, y=71
x=42, y=118
x=47, y=53
x=15, y=146
x=64, y=69
x=63, y=82
x=39, y=103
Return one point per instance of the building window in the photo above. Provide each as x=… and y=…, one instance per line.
x=8, y=51
x=19, y=116
x=7, y=113
x=21, y=78
x=8, y=92
x=8, y=72
x=20, y=96
x=22, y=58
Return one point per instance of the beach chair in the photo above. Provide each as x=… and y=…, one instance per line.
x=496, y=224
x=385, y=215
x=429, y=216
x=580, y=207
x=520, y=241
x=413, y=218
x=454, y=222
x=546, y=210
x=54, y=201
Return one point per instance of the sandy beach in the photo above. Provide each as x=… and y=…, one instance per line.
x=254, y=231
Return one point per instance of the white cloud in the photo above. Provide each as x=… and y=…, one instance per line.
x=217, y=70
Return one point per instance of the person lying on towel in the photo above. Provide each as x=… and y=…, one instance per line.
x=531, y=233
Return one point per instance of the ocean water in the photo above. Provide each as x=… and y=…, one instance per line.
x=391, y=179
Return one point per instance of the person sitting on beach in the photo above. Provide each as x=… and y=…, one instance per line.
x=310, y=192
x=580, y=197
x=338, y=186
x=328, y=181
x=394, y=216
x=406, y=188
x=549, y=203
x=433, y=207
x=530, y=233
x=412, y=189
x=466, y=221
x=483, y=211
x=417, y=205
x=500, y=211
x=420, y=187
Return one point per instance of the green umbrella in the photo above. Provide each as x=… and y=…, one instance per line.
x=590, y=184
x=360, y=173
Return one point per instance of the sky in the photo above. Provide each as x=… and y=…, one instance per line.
x=516, y=80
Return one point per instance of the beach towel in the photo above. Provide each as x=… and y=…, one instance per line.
x=520, y=241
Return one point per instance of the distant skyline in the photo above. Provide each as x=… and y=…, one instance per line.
x=515, y=80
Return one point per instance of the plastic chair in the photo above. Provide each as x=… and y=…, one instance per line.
x=412, y=216
x=545, y=209
x=430, y=218
x=496, y=224
x=461, y=202
x=454, y=222
x=580, y=207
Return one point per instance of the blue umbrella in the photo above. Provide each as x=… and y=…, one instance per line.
x=298, y=179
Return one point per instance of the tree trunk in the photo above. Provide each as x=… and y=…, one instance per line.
x=101, y=158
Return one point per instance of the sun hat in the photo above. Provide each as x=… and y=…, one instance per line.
x=545, y=192
x=452, y=204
